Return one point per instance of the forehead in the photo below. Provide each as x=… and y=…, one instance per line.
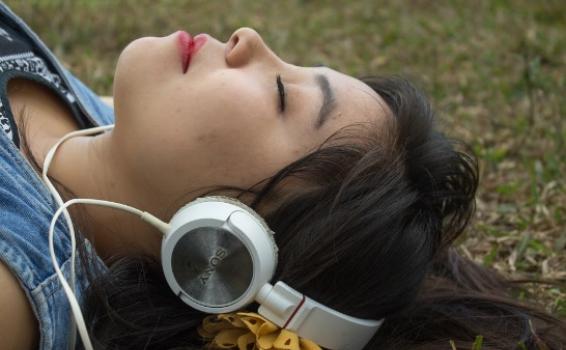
x=355, y=101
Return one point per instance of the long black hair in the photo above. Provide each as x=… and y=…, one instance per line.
x=368, y=231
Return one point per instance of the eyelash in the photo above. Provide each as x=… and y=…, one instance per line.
x=281, y=89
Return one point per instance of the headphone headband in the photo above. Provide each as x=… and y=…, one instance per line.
x=327, y=327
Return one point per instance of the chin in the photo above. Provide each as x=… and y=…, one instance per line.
x=131, y=56
x=129, y=68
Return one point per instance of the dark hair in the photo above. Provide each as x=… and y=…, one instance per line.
x=367, y=232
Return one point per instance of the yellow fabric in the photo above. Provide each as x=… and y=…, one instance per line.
x=250, y=331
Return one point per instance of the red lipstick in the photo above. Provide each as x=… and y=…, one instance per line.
x=189, y=47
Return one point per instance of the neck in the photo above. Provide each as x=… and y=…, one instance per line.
x=90, y=167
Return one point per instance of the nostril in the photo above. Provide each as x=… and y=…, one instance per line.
x=241, y=47
x=232, y=43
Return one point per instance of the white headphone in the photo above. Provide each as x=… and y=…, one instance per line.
x=218, y=255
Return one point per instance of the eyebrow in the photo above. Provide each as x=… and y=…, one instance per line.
x=328, y=101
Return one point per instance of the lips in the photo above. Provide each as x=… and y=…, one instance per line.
x=189, y=47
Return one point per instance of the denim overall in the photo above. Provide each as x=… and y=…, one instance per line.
x=26, y=210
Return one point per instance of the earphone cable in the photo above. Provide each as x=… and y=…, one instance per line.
x=59, y=201
x=70, y=290
x=75, y=308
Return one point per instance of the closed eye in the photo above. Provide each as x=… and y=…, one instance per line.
x=281, y=89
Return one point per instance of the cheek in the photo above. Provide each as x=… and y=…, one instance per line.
x=210, y=129
x=235, y=139
x=239, y=159
x=242, y=153
x=217, y=110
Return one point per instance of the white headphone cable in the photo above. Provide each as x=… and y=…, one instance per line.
x=160, y=225
x=69, y=291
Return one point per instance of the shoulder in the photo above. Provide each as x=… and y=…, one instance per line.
x=18, y=325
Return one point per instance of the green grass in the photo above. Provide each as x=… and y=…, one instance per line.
x=495, y=71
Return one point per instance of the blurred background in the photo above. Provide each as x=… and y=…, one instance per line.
x=495, y=72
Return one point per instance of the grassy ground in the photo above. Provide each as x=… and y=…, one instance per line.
x=495, y=71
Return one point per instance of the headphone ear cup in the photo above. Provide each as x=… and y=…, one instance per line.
x=218, y=254
x=212, y=265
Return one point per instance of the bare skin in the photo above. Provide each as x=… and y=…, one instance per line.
x=175, y=133
x=18, y=325
x=220, y=123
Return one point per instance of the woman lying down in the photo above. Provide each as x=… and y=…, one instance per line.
x=233, y=200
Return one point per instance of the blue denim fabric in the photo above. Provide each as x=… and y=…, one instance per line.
x=26, y=210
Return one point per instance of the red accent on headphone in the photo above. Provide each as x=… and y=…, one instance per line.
x=295, y=311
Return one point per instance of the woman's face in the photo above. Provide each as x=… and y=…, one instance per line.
x=221, y=122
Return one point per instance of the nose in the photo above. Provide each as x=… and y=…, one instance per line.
x=245, y=45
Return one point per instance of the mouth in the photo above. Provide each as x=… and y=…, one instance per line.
x=189, y=47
